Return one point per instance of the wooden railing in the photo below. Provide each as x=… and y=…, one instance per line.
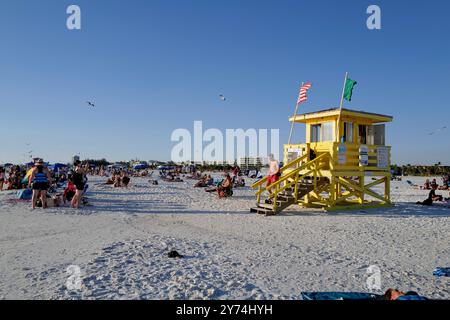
x=290, y=165
x=292, y=178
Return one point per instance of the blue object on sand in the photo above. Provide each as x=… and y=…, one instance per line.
x=340, y=296
x=442, y=272
x=411, y=295
x=25, y=194
x=411, y=183
x=86, y=187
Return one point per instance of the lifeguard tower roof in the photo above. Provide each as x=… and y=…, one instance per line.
x=334, y=113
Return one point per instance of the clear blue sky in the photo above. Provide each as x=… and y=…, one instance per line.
x=154, y=66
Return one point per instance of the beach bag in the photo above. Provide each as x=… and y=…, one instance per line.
x=24, y=194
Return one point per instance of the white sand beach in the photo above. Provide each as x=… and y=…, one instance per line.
x=121, y=240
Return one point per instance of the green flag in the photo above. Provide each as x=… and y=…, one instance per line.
x=348, y=91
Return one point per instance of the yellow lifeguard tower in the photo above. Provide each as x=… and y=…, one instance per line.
x=343, y=158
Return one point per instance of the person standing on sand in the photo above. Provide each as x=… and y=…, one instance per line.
x=41, y=180
x=2, y=178
x=78, y=181
x=274, y=171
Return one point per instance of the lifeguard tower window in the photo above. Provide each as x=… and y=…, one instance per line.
x=315, y=133
x=327, y=131
x=362, y=134
x=348, y=131
x=379, y=134
x=322, y=132
x=368, y=134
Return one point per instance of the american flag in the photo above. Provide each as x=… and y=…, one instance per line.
x=303, y=89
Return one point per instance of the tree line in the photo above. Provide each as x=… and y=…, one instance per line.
x=420, y=170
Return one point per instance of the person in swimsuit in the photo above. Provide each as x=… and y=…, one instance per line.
x=274, y=172
x=41, y=180
x=78, y=181
x=226, y=187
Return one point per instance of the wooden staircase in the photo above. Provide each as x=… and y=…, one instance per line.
x=297, y=180
x=284, y=200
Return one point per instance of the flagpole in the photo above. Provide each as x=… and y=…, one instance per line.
x=338, y=135
x=292, y=125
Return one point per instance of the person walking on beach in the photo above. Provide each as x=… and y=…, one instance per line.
x=78, y=181
x=274, y=171
x=41, y=180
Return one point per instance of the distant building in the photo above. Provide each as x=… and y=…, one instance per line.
x=250, y=162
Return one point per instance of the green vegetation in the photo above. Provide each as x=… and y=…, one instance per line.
x=420, y=170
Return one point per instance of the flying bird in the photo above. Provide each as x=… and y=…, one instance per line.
x=437, y=130
x=221, y=96
x=90, y=103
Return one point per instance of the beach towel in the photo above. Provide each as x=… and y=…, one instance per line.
x=414, y=296
x=340, y=296
x=442, y=272
x=24, y=194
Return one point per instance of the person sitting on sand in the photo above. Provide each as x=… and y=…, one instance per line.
x=201, y=183
x=112, y=179
x=226, y=187
x=394, y=294
x=41, y=180
x=434, y=184
x=69, y=191
x=426, y=185
x=117, y=181
x=239, y=182
x=170, y=176
x=223, y=188
x=432, y=196
x=205, y=181
x=125, y=180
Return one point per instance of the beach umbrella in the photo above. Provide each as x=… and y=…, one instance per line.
x=140, y=166
x=27, y=176
x=55, y=167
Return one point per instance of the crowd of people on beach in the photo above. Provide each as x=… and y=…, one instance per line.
x=46, y=187
x=119, y=179
x=434, y=185
x=45, y=182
